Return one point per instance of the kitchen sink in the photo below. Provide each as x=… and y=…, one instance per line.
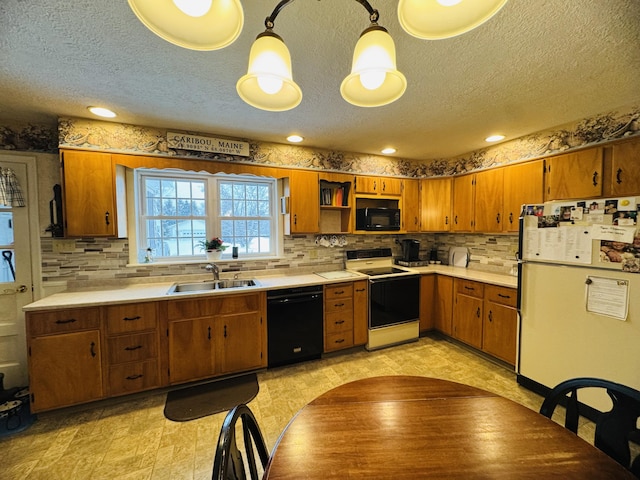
x=206, y=286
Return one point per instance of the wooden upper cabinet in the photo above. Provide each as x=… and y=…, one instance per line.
x=411, y=205
x=625, y=171
x=463, y=203
x=489, y=205
x=89, y=194
x=304, y=194
x=574, y=175
x=364, y=185
x=435, y=202
x=523, y=184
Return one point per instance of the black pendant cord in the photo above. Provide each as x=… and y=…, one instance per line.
x=269, y=21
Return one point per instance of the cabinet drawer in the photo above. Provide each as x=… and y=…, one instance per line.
x=469, y=287
x=131, y=318
x=132, y=348
x=341, y=290
x=338, y=322
x=502, y=295
x=60, y=321
x=133, y=377
x=338, y=305
x=337, y=341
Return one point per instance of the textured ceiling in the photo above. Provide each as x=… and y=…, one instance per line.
x=535, y=65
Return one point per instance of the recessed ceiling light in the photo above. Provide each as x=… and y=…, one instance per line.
x=295, y=138
x=494, y=138
x=101, y=112
x=388, y=151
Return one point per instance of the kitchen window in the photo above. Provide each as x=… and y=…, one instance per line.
x=177, y=210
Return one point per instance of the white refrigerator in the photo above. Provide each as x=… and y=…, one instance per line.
x=579, y=293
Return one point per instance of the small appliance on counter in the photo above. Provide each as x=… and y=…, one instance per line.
x=459, y=257
x=411, y=254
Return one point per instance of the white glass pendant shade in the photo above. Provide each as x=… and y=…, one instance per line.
x=190, y=24
x=436, y=19
x=268, y=84
x=374, y=80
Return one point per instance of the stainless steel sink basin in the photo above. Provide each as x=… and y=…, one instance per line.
x=199, y=287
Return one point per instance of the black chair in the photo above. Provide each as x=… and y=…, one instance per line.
x=228, y=463
x=614, y=429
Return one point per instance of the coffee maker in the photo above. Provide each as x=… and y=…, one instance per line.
x=410, y=250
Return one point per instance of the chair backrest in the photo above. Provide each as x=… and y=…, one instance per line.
x=614, y=429
x=228, y=463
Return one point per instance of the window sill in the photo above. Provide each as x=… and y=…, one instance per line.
x=205, y=261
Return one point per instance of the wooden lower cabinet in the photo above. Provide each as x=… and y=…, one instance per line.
x=360, y=312
x=215, y=336
x=427, y=301
x=500, y=324
x=338, y=316
x=467, y=313
x=443, y=308
x=65, y=357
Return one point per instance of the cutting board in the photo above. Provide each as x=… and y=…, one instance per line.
x=459, y=257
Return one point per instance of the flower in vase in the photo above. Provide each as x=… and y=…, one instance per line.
x=215, y=243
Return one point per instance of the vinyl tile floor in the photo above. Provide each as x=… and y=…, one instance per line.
x=129, y=437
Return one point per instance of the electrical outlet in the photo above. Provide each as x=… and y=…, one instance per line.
x=63, y=246
x=313, y=254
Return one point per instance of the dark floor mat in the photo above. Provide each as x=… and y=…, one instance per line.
x=209, y=398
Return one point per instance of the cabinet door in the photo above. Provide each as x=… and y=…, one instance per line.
x=427, y=300
x=65, y=369
x=444, y=304
x=574, y=175
x=489, y=201
x=463, y=198
x=522, y=184
x=411, y=205
x=240, y=340
x=390, y=186
x=191, y=350
x=467, y=320
x=435, y=203
x=360, y=311
x=366, y=185
x=499, y=334
x=89, y=198
x=626, y=169
x=304, y=191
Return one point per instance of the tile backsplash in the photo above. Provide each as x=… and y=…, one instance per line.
x=90, y=261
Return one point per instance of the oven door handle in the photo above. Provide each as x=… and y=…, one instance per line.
x=289, y=299
x=392, y=278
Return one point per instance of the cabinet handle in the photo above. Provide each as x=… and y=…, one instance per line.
x=338, y=304
x=295, y=219
x=384, y=186
x=339, y=322
x=455, y=220
x=62, y=322
x=490, y=316
x=595, y=178
x=375, y=185
x=511, y=217
x=498, y=218
x=93, y=349
x=131, y=319
x=225, y=331
x=130, y=349
x=478, y=312
x=504, y=296
x=446, y=220
x=618, y=176
x=106, y=218
x=415, y=220
x=469, y=288
x=209, y=333
x=340, y=341
x=134, y=377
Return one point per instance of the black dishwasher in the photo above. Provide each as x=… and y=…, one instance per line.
x=294, y=325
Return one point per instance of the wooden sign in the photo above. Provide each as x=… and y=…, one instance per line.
x=185, y=141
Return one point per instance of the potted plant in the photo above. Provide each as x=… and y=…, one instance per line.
x=213, y=248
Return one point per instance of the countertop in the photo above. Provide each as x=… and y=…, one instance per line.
x=147, y=292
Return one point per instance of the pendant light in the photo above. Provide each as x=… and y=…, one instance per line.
x=374, y=80
x=268, y=84
x=436, y=19
x=193, y=24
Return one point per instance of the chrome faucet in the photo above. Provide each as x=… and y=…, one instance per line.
x=212, y=267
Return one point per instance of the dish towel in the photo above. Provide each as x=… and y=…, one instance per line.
x=10, y=192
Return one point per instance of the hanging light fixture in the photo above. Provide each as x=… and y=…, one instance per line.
x=436, y=19
x=374, y=79
x=193, y=24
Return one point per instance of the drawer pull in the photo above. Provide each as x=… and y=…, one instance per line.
x=339, y=322
x=62, y=322
x=360, y=289
x=133, y=348
x=134, y=377
x=504, y=296
x=131, y=319
x=338, y=304
x=339, y=293
x=468, y=288
x=340, y=341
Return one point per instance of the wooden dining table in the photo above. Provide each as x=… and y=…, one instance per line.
x=397, y=427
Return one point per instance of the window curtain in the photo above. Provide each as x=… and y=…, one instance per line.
x=10, y=191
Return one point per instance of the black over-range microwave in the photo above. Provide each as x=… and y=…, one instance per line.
x=378, y=219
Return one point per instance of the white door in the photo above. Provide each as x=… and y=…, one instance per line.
x=15, y=274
